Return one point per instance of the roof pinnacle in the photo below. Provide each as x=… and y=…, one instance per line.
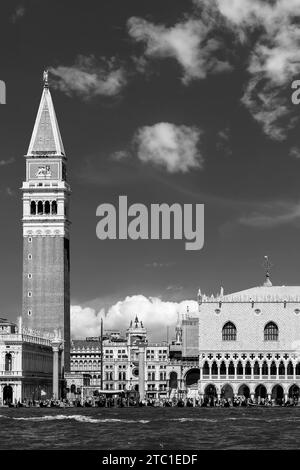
x=267, y=266
x=45, y=79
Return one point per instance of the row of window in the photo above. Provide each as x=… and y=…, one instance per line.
x=110, y=351
x=43, y=207
x=229, y=332
x=162, y=376
x=239, y=368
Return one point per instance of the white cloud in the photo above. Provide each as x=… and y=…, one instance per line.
x=10, y=192
x=274, y=59
x=88, y=77
x=186, y=41
x=223, y=141
x=294, y=152
x=272, y=214
x=18, y=14
x=269, y=34
x=155, y=314
x=269, y=107
x=7, y=162
x=173, y=147
x=120, y=155
x=156, y=264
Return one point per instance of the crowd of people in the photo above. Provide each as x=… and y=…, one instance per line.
x=246, y=402
x=122, y=401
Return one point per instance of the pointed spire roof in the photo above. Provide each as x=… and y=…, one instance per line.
x=46, y=139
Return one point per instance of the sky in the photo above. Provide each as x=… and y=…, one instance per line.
x=165, y=101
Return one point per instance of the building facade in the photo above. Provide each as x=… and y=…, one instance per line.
x=130, y=362
x=26, y=364
x=249, y=343
x=46, y=251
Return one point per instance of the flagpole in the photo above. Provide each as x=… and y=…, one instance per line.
x=101, y=333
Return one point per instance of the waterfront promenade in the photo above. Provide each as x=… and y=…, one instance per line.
x=119, y=402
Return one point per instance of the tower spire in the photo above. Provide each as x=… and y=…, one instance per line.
x=46, y=139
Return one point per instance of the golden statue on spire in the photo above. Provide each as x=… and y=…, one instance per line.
x=267, y=265
x=45, y=78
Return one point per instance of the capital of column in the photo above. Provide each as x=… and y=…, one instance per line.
x=56, y=343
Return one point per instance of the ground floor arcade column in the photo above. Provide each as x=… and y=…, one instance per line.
x=56, y=343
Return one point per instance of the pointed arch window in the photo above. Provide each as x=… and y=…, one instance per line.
x=240, y=368
x=229, y=332
x=290, y=368
x=231, y=370
x=205, y=368
x=8, y=362
x=281, y=369
x=214, y=368
x=248, y=368
x=265, y=368
x=273, y=370
x=222, y=368
x=271, y=332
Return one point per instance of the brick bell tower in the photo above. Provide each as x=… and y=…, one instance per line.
x=46, y=255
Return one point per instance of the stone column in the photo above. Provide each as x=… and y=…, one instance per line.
x=142, y=372
x=56, y=348
x=294, y=372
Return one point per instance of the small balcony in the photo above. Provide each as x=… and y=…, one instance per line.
x=10, y=373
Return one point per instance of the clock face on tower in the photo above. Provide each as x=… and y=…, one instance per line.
x=43, y=170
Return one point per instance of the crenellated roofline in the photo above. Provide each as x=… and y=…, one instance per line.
x=257, y=294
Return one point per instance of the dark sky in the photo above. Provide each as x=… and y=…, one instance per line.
x=248, y=181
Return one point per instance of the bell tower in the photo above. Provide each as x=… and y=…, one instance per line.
x=46, y=255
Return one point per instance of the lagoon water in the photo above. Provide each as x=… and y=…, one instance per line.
x=150, y=428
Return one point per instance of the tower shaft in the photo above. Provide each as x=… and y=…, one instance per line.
x=46, y=250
